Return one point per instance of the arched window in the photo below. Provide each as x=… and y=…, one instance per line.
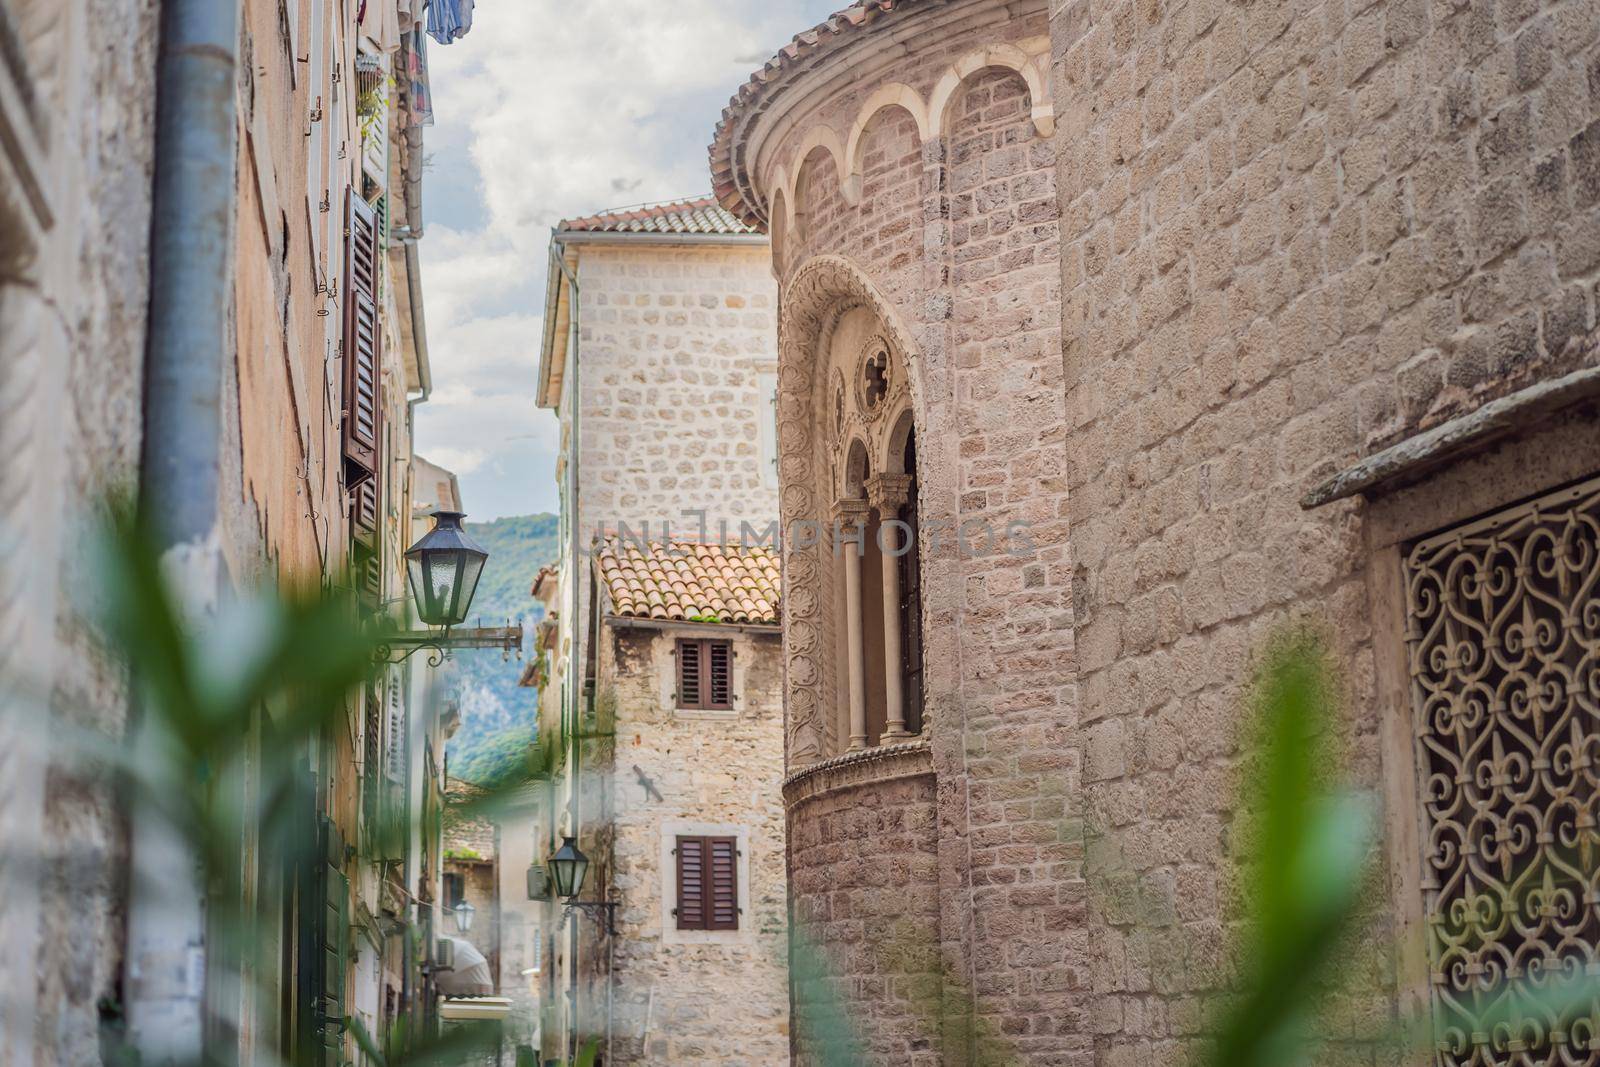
x=877, y=577
x=854, y=646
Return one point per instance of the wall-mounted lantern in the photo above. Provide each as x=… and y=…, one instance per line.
x=463, y=914
x=442, y=570
x=568, y=867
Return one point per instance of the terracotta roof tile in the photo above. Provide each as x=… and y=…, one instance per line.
x=681, y=581
x=832, y=32
x=702, y=215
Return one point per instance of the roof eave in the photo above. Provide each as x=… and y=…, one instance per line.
x=553, y=347
x=600, y=237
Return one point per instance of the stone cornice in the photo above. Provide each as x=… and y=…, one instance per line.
x=869, y=766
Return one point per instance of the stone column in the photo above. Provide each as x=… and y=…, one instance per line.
x=849, y=519
x=888, y=494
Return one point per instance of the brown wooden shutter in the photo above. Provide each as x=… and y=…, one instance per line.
x=719, y=672
x=722, y=878
x=692, y=912
x=363, y=356
x=689, y=688
x=705, y=674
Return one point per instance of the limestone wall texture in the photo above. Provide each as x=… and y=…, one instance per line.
x=682, y=997
x=1293, y=234
x=677, y=345
x=74, y=225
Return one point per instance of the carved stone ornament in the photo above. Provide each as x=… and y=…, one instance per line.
x=873, y=376
x=888, y=493
x=817, y=291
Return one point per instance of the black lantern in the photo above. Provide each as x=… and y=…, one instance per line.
x=444, y=568
x=463, y=913
x=568, y=867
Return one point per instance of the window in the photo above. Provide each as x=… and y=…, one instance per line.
x=708, y=883
x=454, y=888
x=1501, y=618
x=705, y=674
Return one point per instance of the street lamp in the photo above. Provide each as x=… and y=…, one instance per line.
x=463, y=913
x=444, y=568
x=567, y=869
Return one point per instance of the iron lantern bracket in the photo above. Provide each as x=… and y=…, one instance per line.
x=399, y=647
x=603, y=912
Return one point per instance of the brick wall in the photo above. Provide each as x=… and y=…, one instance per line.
x=1293, y=233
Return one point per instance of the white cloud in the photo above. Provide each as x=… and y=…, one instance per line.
x=549, y=110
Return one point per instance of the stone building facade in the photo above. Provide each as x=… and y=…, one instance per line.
x=74, y=224
x=660, y=360
x=1211, y=319
x=317, y=124
x=471, y=855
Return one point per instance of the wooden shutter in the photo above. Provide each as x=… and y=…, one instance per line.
x=719, y=674
x=363, y=355
x=395, y=764
x=689, y=689
x=705, y=674
x=722, y=878
x=366, y=512
x=691, y=911
x=334, y=930
x=708, y=883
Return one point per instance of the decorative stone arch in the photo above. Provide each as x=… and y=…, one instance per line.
x=816, y=137
x=781, y=208
x=778, y=230
x=856, y=468
x=894, y=94
x=902, y=425
x=813, y=299
x=1005, y=56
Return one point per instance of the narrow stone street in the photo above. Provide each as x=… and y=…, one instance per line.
x=929, y=534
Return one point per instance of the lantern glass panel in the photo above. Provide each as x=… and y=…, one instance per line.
x=471, y=571
x=444, y=581
x=568, y=867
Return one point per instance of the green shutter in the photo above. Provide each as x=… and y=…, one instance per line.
x=335, y=937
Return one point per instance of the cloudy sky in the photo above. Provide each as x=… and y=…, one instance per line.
x=547, y=110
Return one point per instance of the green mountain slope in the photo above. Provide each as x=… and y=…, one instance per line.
x=497, y=717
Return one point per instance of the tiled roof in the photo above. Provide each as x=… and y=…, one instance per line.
x=834, y=31
x=686, y=582
x=700, y=216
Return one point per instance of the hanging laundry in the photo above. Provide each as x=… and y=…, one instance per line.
x=417, y=71
x=380, y=20
x=449, y=20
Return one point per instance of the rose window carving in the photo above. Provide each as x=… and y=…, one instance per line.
x=875, y=378
x=1503, y=642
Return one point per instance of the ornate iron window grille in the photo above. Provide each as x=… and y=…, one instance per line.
x=1503, y=641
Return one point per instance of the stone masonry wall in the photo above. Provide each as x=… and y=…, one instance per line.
x=959, y=239
x=1293, y=233
x=679, y=997
x=70, y=414
x=675, y=343
x=863, y=869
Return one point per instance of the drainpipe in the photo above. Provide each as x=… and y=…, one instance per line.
x=191, y=283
